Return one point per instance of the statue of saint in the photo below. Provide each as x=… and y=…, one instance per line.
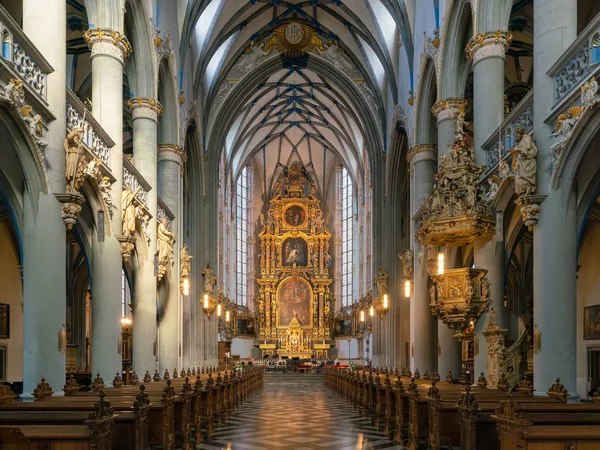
x=525, y=153
x=128, y=210
x=72, y=146
x=407, y=259
x=185, y=259
x=164, y=241
x=381, y=281
x=210, y=279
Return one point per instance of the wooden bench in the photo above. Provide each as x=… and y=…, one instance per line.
x=93, y=433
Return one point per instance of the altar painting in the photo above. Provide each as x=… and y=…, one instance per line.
x=294, y=298
x=295, y=216
x=294, y=251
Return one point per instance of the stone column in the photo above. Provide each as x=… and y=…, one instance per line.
x=145, y=113
x=487, y=50
x=555, y=236
x=448, y=347
x=170, y=161
x=445, y=111
x=422, y=159
x=44, y=243
x=108, y=53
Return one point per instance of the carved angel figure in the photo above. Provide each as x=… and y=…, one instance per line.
x=185, y=258
x=14, y=93
x=210, y=279
x=128, y=210
x=35, y=125
x=494, y=184
x=525, y=154
x=72, y=147
x=381, y=281
x=564, y=128
x=164, y=241
x=589, y=93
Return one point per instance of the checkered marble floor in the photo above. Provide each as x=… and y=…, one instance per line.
x=295, y=411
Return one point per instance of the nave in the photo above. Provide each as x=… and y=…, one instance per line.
x=296, y=411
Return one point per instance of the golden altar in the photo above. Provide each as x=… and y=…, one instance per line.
x=294, y=304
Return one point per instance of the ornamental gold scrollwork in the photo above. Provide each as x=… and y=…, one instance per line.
x=456, y=212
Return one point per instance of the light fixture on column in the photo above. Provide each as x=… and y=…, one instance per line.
x=385, y=301
x=185, y=286
x=407, y=288
x=371, y=311
x=219, y=310
x=440, y=270
x=362, y=315
x=227, y=316
x=208, y=304
x=125, y=321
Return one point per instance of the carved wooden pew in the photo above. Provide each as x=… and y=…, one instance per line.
x=94, y=433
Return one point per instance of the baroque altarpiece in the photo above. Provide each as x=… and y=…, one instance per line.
x=294, y=304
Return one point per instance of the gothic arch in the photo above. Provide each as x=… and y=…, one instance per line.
x=168, y=124
x=455, y=35
x=427, y=88
x=141, y=64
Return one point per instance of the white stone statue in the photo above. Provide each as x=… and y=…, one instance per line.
x=105, y=188
x=494, y=184
x=210, y=279
x=185, y=259
x=72, y=145
x=14, y=93
x=525, y=154
x=164, y=242
x=589, y=93
x=461, y=123
x=128, y=210
x=564, y=129
x=35, y=125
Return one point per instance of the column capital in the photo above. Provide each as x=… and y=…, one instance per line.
x=422, y=152
x=447, y=109
x=486, y=45
x=171, y=152
x=104, y=41
x=145, y=108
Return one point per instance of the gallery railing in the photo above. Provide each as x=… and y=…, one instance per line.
x=23, y=56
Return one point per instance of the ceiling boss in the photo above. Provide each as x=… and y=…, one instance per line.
x=293, y=39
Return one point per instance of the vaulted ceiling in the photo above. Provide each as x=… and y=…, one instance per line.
x=294, y=112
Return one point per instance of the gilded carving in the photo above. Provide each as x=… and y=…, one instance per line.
x=490, y=44
x=495, y=337
x=462, y=296
x=185, y=262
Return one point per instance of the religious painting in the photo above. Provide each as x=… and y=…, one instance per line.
x=295, y=216
x=294, y=297
x=343, y=327
x=244, y=327
x=591, y=322
x=294, y=251
x=4, y=321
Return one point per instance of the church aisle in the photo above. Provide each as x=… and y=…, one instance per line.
x=295, y=411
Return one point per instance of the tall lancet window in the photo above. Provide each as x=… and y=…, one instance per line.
x=242, y=238
x=347, y=242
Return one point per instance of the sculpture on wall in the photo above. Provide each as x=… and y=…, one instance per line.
x=185, y=258
x=164, y=242
x=128, y=210
x=72, y=145
x=381, y=281
x=407, y=259
x=210, y=279
x=525, y=154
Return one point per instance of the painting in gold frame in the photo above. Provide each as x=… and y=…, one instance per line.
x=295, y=216
x=294, y=251
x=294, y=297
x=591, y=323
